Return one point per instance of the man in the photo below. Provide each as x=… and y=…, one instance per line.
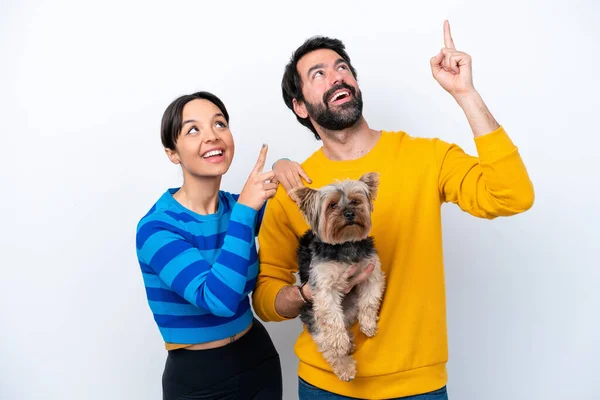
x=408, y=355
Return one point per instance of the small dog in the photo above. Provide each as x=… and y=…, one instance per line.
x=339, y=216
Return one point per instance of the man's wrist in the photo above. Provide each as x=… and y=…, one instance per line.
x=288, y=302
x=479, y=117
x=469, y=99
x=305, y=299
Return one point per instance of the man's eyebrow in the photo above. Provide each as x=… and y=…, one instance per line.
x=317, y=66
x=340, y=61
x=321, y=65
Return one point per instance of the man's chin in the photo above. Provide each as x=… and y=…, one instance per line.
x=344, y=121
x=337, y=117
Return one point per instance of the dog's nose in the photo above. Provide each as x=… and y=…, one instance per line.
x=349, y=214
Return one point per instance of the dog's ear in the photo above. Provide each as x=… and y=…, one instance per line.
x=306, y=199
x=371, y=179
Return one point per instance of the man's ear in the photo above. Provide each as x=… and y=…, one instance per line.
x=173, y=156
x=300, y=109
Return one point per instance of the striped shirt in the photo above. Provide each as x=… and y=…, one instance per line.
x=198, y=270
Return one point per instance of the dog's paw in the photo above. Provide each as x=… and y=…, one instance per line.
x=369, y=330
x=345, y=370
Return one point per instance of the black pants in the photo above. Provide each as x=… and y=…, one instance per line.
x=248, y=368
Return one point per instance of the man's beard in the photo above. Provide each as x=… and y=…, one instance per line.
x=344, y=116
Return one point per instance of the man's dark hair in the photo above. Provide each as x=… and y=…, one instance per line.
x=173, y=116
x=291, y=84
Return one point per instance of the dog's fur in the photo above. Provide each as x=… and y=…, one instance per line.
x=339, y=216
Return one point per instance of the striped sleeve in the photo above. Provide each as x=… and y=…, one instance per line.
x=167, y=250
x=259, y=216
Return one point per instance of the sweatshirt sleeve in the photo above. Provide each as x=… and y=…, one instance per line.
x=278, y=262
x=166, y=249
x=494, y=184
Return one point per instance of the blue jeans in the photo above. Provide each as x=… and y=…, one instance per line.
x=306, y=391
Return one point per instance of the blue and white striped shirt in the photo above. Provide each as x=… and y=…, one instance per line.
x=199, y=269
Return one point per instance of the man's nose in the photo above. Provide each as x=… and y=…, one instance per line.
x=337, y=79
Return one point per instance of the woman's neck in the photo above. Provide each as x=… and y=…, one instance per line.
x=201, y=195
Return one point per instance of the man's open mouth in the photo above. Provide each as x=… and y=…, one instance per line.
x=339, y=95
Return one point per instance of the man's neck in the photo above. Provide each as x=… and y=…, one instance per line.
x=350, y=143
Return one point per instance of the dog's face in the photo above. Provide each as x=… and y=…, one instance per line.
x=339, y=212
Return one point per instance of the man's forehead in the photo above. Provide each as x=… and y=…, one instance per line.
x=321, y=56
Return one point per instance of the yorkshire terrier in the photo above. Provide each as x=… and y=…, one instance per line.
x=339, y=216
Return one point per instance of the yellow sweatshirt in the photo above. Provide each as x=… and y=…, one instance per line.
x=409, y=353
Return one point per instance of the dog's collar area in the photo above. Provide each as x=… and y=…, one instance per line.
x=368, y=241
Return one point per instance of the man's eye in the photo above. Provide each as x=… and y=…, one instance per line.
x=318, y=74
x=343, y=67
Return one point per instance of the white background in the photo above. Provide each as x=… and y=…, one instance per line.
x=82, y=89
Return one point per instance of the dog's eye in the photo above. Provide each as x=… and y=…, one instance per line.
x=332, y=205
x=354, y=202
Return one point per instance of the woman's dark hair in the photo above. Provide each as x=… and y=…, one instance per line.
x=291, y=84
x=172, y=117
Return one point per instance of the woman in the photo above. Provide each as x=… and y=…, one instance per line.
x=196, y=249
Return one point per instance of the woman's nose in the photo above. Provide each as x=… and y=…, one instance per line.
x=210, y=136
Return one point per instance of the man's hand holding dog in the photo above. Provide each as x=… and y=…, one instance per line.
x=288, y=301
x=347, y=281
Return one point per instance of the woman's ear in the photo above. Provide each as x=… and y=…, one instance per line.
x=173, y=156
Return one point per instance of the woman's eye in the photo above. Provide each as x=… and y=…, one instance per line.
x=193, y=130
x=220, y=124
